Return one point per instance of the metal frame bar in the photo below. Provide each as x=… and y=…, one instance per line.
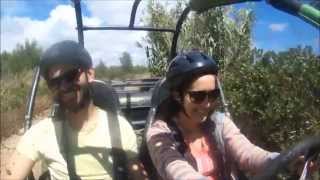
x=81, y=28
x=176, y=34
x=31, y=99
x=77, y=7
x=133, y=13
x=220, y=3
x=86, y=28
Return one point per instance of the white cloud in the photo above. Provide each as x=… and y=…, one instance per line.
x=278, y=27
x=113, y=12
x=61, y=23
x=58, y=26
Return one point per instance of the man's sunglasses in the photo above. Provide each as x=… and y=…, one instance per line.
x=68, y=77
x=198, y=97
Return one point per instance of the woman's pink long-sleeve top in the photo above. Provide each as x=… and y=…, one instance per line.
x=172, y=164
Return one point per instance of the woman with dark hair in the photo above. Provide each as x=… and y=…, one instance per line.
x=187, y=139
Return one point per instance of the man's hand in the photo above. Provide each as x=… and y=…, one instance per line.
x=137, y=171
x=298, y=166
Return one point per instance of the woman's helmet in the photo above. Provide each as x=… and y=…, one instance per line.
x=186, y=64
x=65, y=52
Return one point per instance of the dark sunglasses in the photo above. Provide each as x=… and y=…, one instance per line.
x=68, y=77
x=198, y=97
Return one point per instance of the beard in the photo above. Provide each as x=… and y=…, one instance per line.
x=74, y=99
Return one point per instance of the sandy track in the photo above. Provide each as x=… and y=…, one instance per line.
x=7, y=148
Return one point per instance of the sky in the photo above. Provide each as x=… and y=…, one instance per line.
x=51, y=21
x=277, y=30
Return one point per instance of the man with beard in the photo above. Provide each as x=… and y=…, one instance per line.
x=76, y=143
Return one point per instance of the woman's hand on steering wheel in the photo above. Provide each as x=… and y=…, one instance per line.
x=302, y=158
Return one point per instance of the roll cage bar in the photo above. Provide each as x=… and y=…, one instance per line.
x=81, y=28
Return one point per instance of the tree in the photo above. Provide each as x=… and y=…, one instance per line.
x=126, y=61
x=23, y=57
x=101, y=70
x=221, y=32
x=279, y=101
x=15, y=82
x=159, y=44
x=4, y=64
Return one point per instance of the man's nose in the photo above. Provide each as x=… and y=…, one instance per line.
x=64, y=85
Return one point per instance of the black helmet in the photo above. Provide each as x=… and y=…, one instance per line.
x=65, y=52
x=186, y=64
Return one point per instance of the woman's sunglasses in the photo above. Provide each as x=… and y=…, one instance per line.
x=198, y=97
x=68, y=77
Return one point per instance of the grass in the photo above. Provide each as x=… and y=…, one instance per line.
x=14, y=95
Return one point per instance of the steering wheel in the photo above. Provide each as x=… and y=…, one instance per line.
x=310, y=148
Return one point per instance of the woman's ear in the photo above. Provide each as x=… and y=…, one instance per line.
x=90, y=74
x=176, y=96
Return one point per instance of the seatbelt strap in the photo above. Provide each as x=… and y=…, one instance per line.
x=69, y=157
x=102, y=95
x=119, y=158
x=118, y=155
x=57, y=114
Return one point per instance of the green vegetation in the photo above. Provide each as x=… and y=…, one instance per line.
x=273, y=97
x=23, y=57
x=277, y=97
x=126, y=61
x=118, y=73
x=123, y=72
x=221, y=32
x=16, y=75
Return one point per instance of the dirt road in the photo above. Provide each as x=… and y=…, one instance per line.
x=7, y=147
